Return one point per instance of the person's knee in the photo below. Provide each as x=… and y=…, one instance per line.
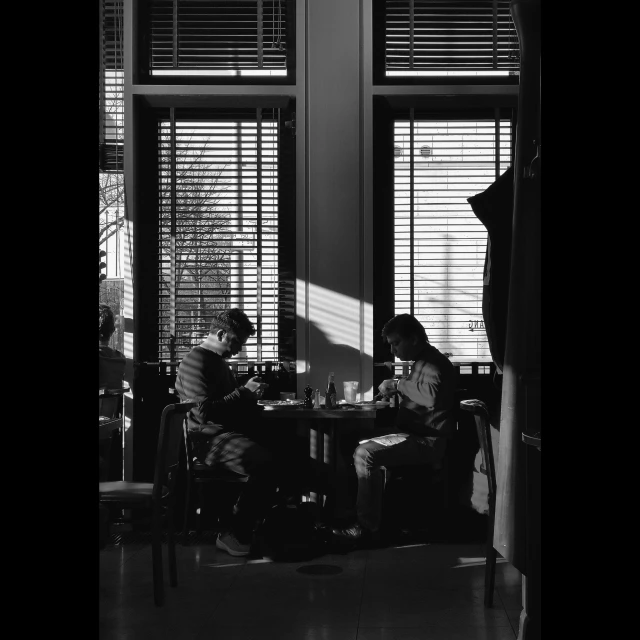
x=362, y=460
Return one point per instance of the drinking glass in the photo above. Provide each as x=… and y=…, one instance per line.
x=351, y=390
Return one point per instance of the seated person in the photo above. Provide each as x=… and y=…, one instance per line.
x=227, y=420
x=111, y=361
x=425, y=417
x=111, y=364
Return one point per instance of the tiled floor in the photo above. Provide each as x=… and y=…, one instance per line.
x=432, y=592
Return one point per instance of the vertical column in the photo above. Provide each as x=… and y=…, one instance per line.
x=302, y=202
x=172, y=239
x=129, y=62
x=366, y=201
x=335, y=260
x=259, y=326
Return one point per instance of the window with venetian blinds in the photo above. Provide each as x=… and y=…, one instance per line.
x=439, y=244
x=111, y=132
x=219, y=222
x=111, y=146
x=449, y=38
x=220, y=38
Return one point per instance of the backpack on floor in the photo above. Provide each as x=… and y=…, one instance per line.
x=291, y=534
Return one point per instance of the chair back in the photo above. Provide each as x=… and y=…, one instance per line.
x=483, y=428
x=111, y=402
x=110, y=420
x=170, y=441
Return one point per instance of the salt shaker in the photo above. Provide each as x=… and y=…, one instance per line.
x=316, y=404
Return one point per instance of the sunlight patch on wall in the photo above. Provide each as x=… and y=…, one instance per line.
x=128, y=286
x=338, y=316
x=128, y=345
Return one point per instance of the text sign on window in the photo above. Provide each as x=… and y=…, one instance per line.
x=245, y=240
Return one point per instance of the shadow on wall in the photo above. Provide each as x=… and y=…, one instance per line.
x=328, y=356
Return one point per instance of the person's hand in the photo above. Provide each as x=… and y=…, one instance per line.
x=388, y=388
x=256, y=385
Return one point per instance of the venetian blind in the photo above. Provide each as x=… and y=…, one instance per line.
x=439, y=244
x=218, y=237
x=450, y=37
x=217, y=37
x=111, y=86
x=111, y=157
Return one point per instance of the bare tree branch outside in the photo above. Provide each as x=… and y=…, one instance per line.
x=202, y=245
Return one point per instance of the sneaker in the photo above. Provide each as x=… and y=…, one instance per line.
x=229, y=543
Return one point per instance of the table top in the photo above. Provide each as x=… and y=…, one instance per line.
x=300, y=413
x=108, y=392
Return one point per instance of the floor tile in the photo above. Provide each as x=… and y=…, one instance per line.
x=179, y=612
x=336, y=570
x=146, y=631
x=311, y=605
x=219, y=571
x=416, y=613
x=278, y=633
x=514, y=619
x=510, y=596
x=115, y=555
x=437, y=566
x=436, y=633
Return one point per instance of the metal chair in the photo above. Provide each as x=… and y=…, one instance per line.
x=200, y=474
x=483, y=427
x=158, y=496
x=110, y=431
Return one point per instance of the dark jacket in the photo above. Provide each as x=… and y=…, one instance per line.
x=205, y=377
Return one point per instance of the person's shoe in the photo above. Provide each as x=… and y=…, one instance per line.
x=359, y=536
x=353, y=534
x=229, y=543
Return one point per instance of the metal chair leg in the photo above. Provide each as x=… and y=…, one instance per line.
x=491, y=556
x=199, y=510
x=156, y=554
x=490, y=577
x=171, y=549
x=185, y=524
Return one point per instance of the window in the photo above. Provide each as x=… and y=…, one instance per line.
x=437, y=150
x=231, y=40
x=111, y=167
x=455, y=39
x=439, y=244
x=220, y=216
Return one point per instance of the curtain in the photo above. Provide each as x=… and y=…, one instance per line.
x=522, y=352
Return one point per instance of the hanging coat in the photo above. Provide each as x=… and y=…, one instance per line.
x=494, y=208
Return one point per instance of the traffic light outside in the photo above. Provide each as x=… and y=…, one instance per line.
x=103, y=265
